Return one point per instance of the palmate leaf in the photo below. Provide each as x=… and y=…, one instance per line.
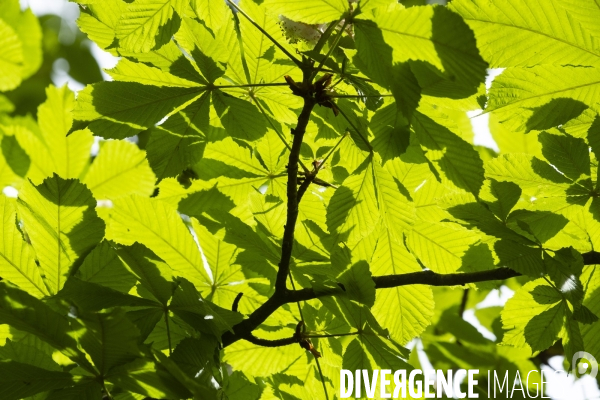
x=311, y=12
x=565, y=43
x=531, y=174
x=129, y=71
x=14, y=162
x=16, y=256
x=108, y=179
x=19, y=380
x=153, y=274
x=110, y=339
x=49, y=148
x=240, y=118
x=27, y=27
x=104, y=267
x=229, y=278
x=455, y=159
x=590, y=332
x=87, y=390
x=122, y=109
x=101, y=20
x=148, y=378
x=352, y=213
x=441, y=49
x=507, y=29
x=179, y=142
x=523, y=96
x=207, y=48
x=11, y=58
x=213, y=12
x=204, y=316
x=533, y=318
x=440, y=246
x=59, y=219
x=156, y=225
x=413, y=306
x=30, y=350
x=147, y=24
x=237, y=171
x=26, y=313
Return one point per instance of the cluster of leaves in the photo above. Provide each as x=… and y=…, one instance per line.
x=121, y=263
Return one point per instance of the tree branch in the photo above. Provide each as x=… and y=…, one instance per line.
x=292, y=186
x=245, y=328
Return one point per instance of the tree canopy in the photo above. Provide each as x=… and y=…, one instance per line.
x=266, y=192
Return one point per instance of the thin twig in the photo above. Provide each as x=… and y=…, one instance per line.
x=463, y=303
x=356, y=129
x=260, y=28
x=292, y=189
x=328, y=335
x=357, y=96
x=331, y=49
x=322, y=378
x=320, y=165
x=277, y=131
x=250, y=85
x=168, y=331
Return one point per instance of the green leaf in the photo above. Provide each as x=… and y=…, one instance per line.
x=240, y=387
x=239, y=117
x=11, y=58
x=529, y=174
x=100, y=22
x=212, y=12
x=205, y=47
x=591, y=282
x=518, y=92
x=27, y=27
x=523, y=259
x=507, y=30
x=16, y=256
x=26, y=313
x=148, y=24
x=500, y=197
x=441, y=48
x=128, y=71
x=199, y=313
x=152, y=273
x=103, y=266
x=534, y=316
x=157, y=226
x=310, y=12
x=391, y=133
x=229, y=277
x=352, y=212
x=570, y=155
x=413, y=305
x=440, y=246
x=455, y=159
x=94, y=297
x=82, y=391
x=50, y=150
x=59, y=219
x=200, y=390
x=108, y=179
x=30, y=350
x=14, y=162
x=18, y=381
x=179, y=142
x=148, y=378
x=110, y=339
x=121, y=109
x=358, y=284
